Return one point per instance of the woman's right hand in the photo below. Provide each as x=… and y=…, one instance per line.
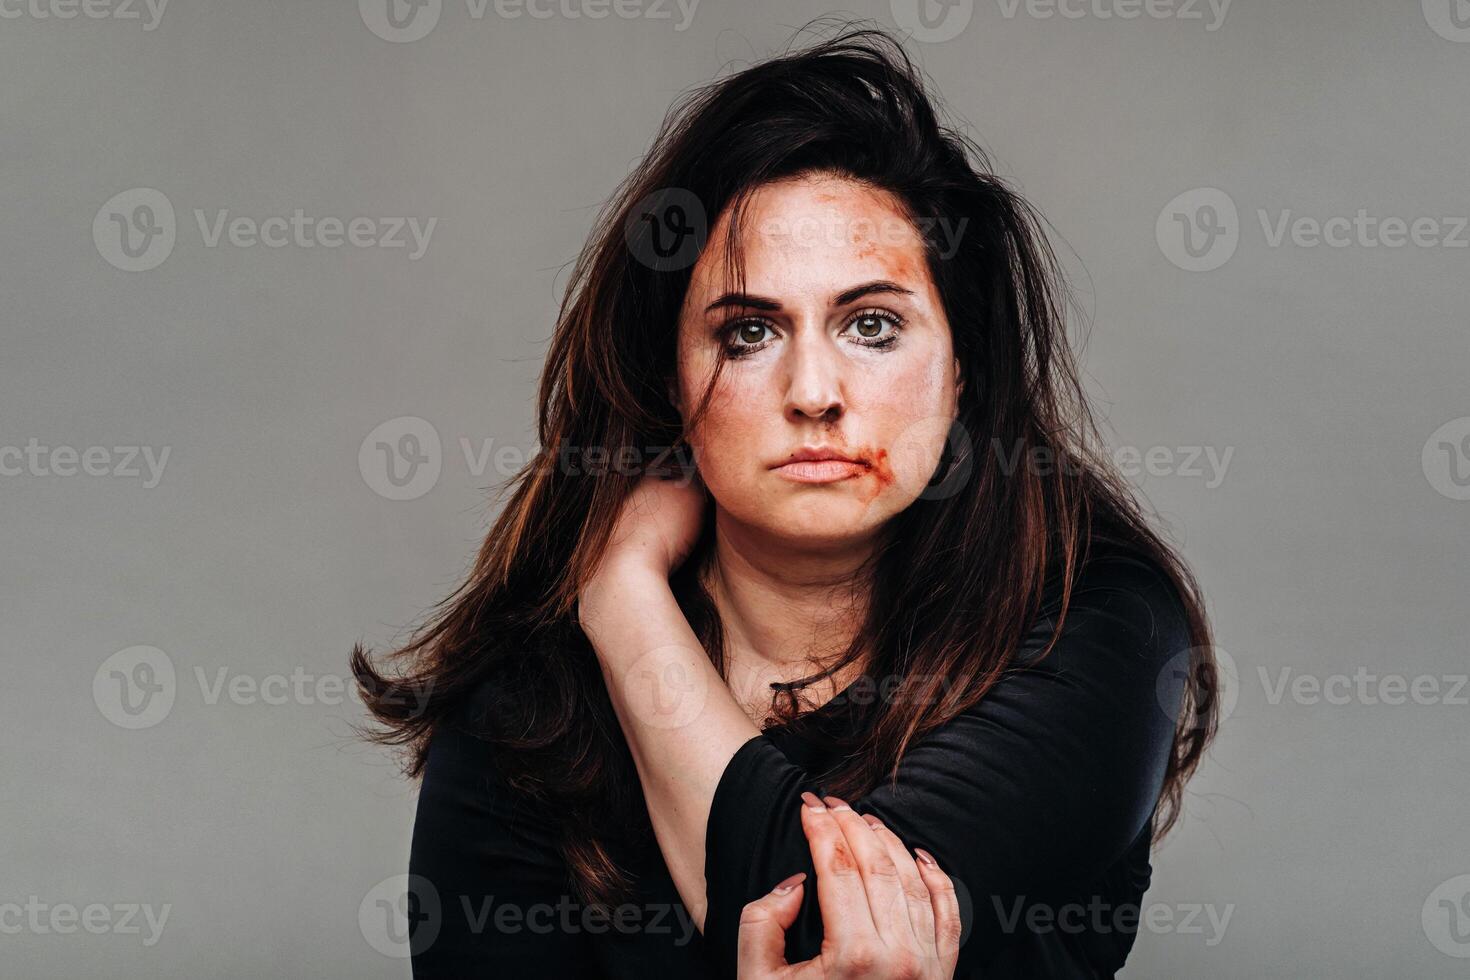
x=883, y=914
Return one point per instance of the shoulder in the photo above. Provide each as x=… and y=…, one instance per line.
x=465, y=791
x=463, y=760
x=1124, y=608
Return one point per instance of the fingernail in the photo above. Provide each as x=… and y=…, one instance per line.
x=873, y=821
x=790, y=883
x=836, y=804
x=810, y=799
x=925, y=857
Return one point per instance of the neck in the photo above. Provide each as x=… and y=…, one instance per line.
x=788, y=610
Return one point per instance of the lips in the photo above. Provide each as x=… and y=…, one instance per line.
x=820, y=464
x=817, y=454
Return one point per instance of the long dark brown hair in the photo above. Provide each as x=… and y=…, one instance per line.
x=961, y=573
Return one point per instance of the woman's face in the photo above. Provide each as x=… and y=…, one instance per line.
x=840, y=352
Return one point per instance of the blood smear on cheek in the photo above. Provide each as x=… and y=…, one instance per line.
x=882, y=473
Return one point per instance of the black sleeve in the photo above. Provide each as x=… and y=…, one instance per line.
x=1045, y=783
x=489, y=884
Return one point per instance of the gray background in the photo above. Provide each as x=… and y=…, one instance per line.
x=1334, y=543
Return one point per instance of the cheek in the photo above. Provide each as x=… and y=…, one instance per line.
x=727, y=436
x=913, y=411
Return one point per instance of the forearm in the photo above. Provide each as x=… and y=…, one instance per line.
x=678, y=716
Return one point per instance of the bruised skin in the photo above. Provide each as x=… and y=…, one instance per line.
x=882, y=474
x=805, y=241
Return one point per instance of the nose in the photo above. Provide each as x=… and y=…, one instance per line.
x=814, y=386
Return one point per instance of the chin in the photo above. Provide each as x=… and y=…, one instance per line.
x=826, y=520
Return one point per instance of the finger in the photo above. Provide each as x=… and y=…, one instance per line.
x=846, y=921
x=886, y=899
x=947, y=923
x=763, y=925
x=916, y=893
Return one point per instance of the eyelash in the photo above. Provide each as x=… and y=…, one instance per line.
x=744, y=350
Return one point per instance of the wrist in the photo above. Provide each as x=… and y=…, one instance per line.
x=615, y=586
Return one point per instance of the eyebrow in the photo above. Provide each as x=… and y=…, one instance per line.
x=747, y=300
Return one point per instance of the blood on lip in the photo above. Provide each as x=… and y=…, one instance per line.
x=874, y=463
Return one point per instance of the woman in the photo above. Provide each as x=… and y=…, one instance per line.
x=882, y=563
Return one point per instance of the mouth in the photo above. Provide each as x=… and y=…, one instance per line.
x=820, y=465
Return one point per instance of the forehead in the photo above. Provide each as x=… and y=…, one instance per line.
x=815, y=234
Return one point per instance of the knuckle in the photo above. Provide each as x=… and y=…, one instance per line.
x=904, y=966
x=754, y=913
x=842, y=858
x=859, y=960
x=916, y=891
x=883, y=867
x=940, y=882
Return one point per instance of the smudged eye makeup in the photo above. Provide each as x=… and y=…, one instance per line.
x=875, y=328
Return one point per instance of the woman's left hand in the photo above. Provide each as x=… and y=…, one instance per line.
x=883, y=914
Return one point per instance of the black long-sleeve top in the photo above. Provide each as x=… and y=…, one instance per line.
x=1037, y=802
